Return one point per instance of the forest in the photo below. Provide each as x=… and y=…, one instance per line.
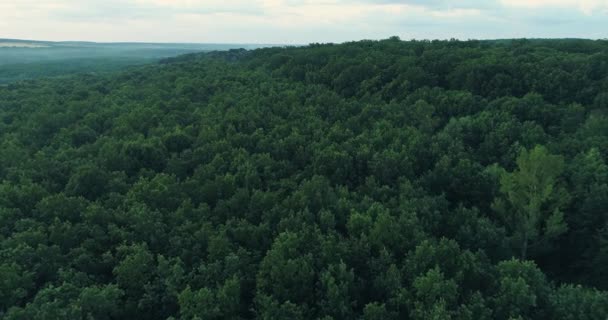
x=389, y=179
x=25, y=60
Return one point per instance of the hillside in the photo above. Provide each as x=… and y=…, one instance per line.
x=367, y=180
x=25, y=59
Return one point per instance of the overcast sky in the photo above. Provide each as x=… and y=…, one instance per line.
x=299, y=21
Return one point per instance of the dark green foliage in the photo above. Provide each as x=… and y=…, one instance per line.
x=367, y=180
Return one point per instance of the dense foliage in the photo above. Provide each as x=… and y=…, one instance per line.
x=27, y=71
x=368, y=180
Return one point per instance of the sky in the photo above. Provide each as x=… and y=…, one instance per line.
x=299, y=21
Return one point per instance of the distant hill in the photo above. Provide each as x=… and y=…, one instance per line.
x=29, y=59
x=124, y=46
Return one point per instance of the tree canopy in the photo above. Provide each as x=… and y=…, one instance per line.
x=367, y=180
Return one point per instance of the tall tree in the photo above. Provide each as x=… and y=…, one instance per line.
x=532, y=198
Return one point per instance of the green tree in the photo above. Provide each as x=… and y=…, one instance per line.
x=434, y=295
x=337, y=284
x=14, y=285
x=532, y=198
x=570, y=302
x=87, y=181
x=375, y=311
x=522, y=291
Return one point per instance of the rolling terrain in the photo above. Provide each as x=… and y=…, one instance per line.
x=24, y=59
x=366, y=180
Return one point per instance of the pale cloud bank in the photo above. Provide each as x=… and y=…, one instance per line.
x=587, y=7
x=299, y=21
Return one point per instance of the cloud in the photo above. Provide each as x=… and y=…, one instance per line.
x=456, y=13
x=588, y=7
x=206, y=6
x=298, y=21
x=438, y=4
x=120, y=10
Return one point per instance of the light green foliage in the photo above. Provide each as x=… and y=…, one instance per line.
x=522, y=290
x=433, y=295
x=533, y=198
x=206, y=303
